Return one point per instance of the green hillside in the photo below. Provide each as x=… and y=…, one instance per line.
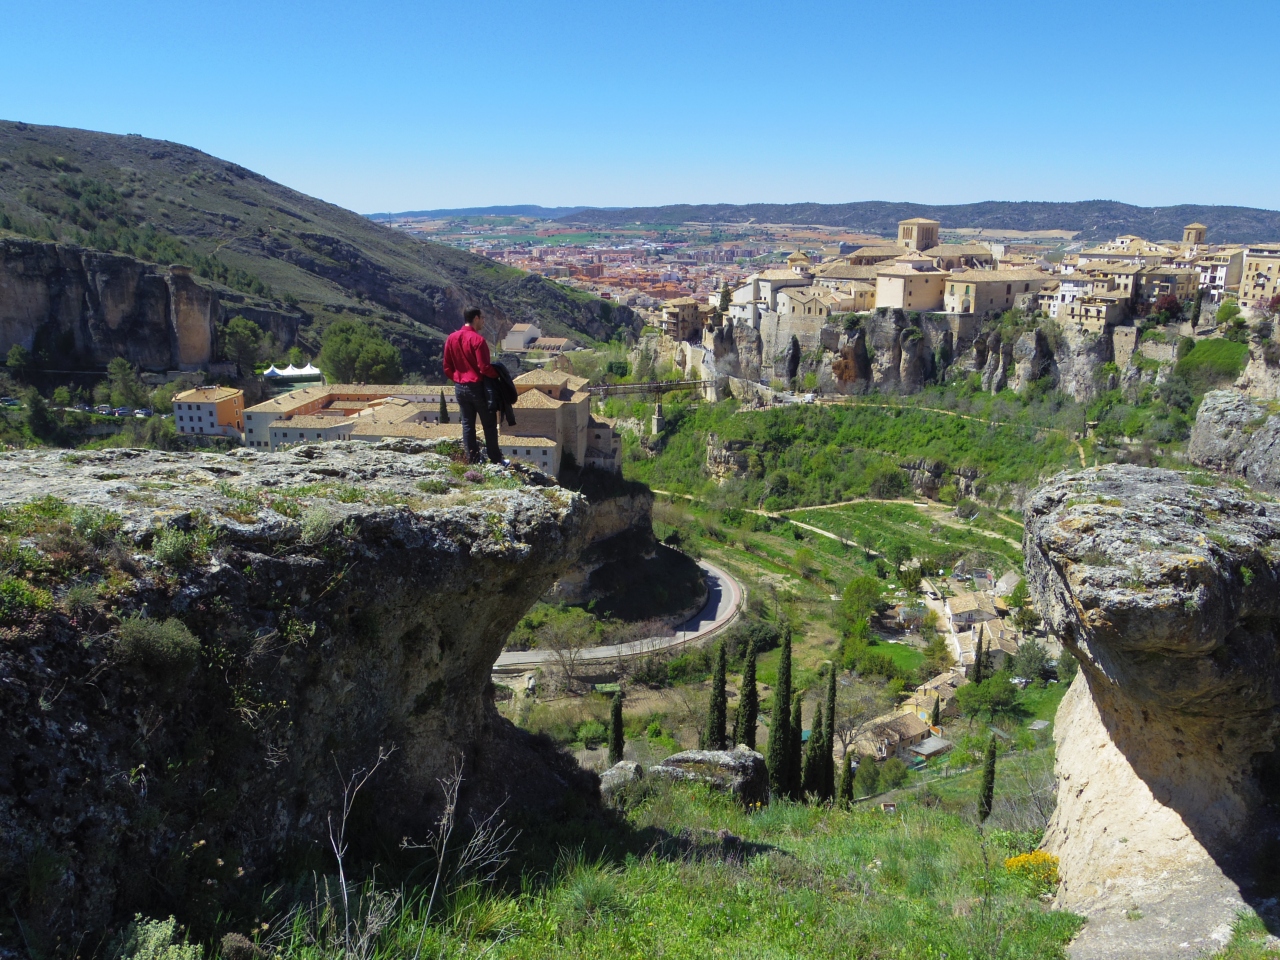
x=275, y=247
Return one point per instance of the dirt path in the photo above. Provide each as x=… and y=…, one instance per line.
x=936, y=512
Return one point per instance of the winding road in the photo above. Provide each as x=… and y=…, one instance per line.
x=724, y=603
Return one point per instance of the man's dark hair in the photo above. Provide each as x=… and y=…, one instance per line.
x=471, y=314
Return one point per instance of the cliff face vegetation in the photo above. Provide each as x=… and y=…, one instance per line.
x=1168, y=593
x=197, y=650
x=268, y=250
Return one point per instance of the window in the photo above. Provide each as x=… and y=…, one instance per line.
x=1008, y=289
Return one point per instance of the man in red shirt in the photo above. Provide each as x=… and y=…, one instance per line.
x=466, y=363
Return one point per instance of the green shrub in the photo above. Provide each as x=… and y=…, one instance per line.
x=433, y=486
x=317, y=524
x=20, y=601
x=161, y=643
x=591, y=733
x=155, y=940
x=893, y=774
x=173, y=548
x=96, y=525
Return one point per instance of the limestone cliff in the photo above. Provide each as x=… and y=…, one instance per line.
x=306, y=609
x=1238, y=435
x=1167, y=593
x=83, y=308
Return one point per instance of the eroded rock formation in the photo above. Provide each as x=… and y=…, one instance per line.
x=84, y=308
x=1168, y=593
x=347, y=599
x=1238, y=435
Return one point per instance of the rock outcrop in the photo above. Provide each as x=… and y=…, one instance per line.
x=618, y=777
x=1238, y=435
x=740, y=771
x=320, y=605
x=1168, y=593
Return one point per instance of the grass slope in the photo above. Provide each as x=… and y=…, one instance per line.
x=689, y=874
x=167, y=203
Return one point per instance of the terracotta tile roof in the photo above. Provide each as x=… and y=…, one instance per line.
x=536, y=400
x=997, y=276
x=206, y=394
x=543, y=377
x=312, y=423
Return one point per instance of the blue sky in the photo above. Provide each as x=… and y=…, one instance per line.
x=401, y=105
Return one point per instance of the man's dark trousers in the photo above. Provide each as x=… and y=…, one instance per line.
x=472, y=403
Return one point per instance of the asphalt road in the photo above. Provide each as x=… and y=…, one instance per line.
x=724, y=601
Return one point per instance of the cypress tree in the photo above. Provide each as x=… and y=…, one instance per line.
x=936, y=719
x=977, y=661
x=868, y=776
x=813, y=775
x=615, y=730
x=794, y=755
x=780, y=722
x=1195, y=306
x=829, y=738
x=716, y=712
x=744, y=724
x=988, y=793
x=845, y=793
x=444, y=409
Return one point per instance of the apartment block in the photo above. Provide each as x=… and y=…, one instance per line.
x=1260, y=279
x=210, y=411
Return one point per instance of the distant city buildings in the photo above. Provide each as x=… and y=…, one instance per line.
x=553, y=419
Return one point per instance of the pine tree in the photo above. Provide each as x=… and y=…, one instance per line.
x=936, y=719
x=716, y=712
x=845, y=793
x=444, y=409
x=744, y=724
x=780, y=722
x=829, y=737
x=977, y=661
x=795, y=756
x=988, y=793
x=813, y=775
x=616, y=741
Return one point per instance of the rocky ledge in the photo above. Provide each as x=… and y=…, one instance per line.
x=1239, y=435
x=197, y=650
x=1167, y=592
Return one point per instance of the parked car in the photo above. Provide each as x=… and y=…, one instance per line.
x=10, y=402
x=142, y=412
x=809, y=398
x=103, y=408
x=121, y=412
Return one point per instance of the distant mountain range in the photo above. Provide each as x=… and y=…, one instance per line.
x=1091, y=219
x=521, y=210
x=271, y=247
